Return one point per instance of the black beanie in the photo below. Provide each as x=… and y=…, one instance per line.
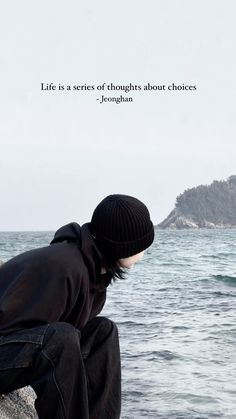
x=121, y=226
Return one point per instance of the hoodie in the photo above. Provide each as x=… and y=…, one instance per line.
x=59, y=282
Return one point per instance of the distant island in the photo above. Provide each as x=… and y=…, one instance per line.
x=205, y=206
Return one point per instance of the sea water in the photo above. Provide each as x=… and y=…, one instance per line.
x=176, y=314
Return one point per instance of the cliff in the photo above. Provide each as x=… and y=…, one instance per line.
x=204, y=206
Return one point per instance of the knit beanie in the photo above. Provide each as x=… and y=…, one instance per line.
x=121, y=226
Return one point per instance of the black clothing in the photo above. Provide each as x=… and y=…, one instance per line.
x=49, y=335
x=75, y=375
x=60, y=282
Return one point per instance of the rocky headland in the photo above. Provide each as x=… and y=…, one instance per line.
x=204, y=206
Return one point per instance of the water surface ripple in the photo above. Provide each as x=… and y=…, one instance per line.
x=176, y=314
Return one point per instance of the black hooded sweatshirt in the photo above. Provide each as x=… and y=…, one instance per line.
x=60, y=282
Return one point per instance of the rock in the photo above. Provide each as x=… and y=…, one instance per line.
x=175, y=220
x=18, y=405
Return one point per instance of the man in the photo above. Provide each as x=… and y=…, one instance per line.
x=50, y=337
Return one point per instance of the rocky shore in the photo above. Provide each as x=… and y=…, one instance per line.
x=177, y=221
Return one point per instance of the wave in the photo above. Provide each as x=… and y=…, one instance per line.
x=219, y=255
x=167, y=355
x=225, y=278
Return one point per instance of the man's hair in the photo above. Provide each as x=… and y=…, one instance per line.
x=113, y=270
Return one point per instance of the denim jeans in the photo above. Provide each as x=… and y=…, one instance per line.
x=75, y=375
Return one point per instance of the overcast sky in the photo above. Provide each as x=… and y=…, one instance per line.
x=62, y=152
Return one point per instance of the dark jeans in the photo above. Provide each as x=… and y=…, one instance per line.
x=76, y=375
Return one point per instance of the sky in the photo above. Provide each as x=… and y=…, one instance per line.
x=62, y=152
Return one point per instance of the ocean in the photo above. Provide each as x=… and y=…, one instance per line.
x=176, y=314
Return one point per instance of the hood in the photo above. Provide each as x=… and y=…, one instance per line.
x=81, y=235
x=69, y=232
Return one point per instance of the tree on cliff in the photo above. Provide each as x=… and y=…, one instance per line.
x=215, y=203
